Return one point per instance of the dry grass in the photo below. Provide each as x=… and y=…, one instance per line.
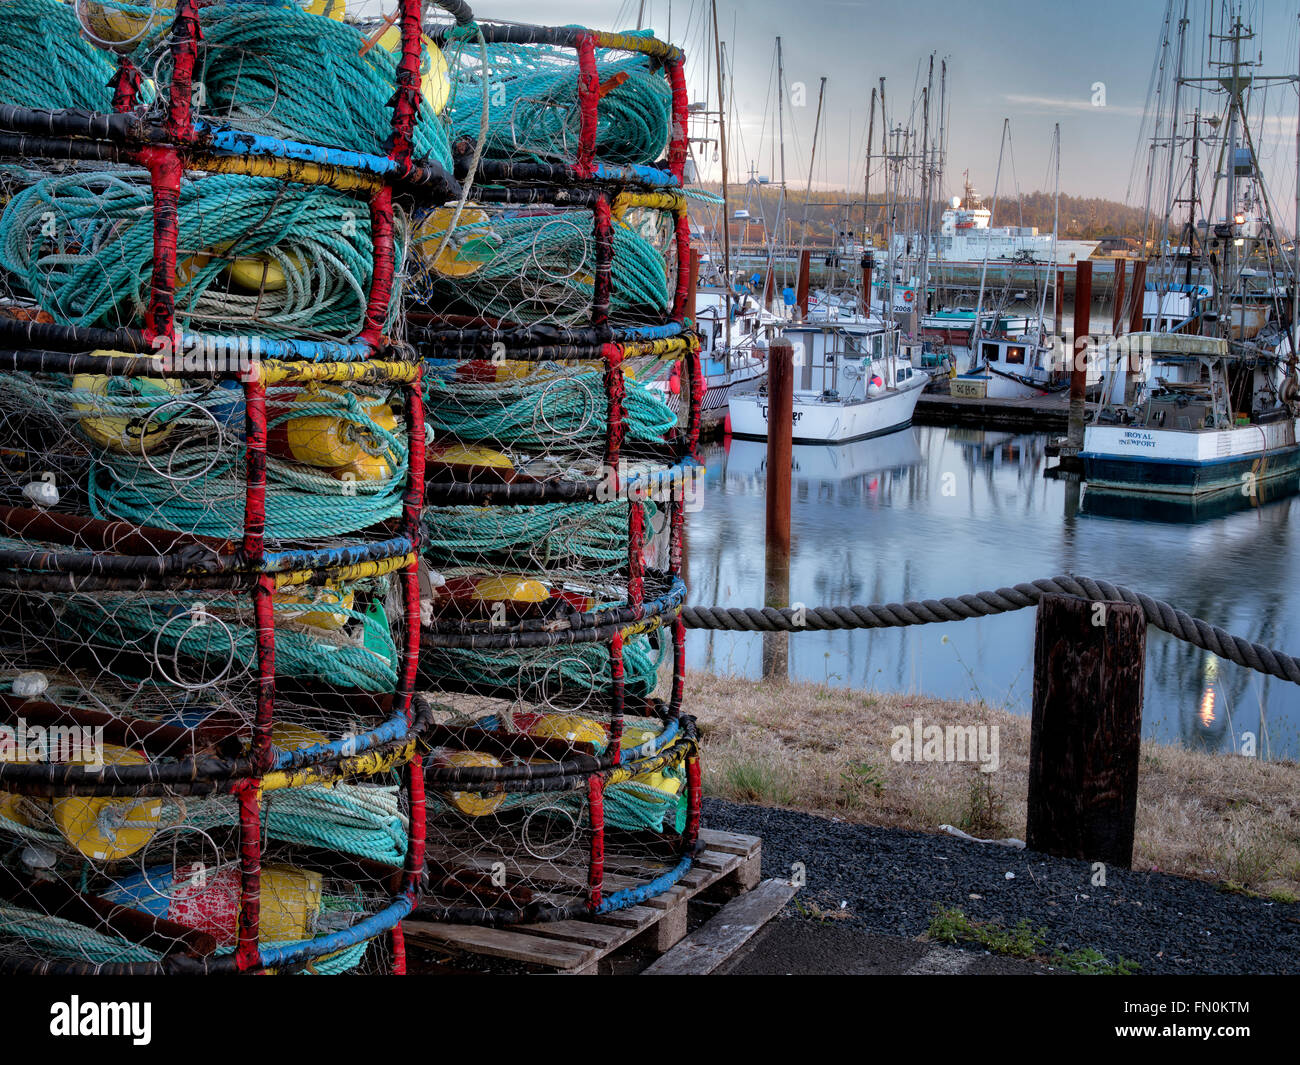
x=826, y=751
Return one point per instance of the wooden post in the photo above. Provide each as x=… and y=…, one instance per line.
x=1117, y=318
x=769, y=288
x=780, y=430
x=1138, y=289
x=868, y=265
x=801, y=293
x=1137, y=293
x=1086, y=729
x=1079, y=351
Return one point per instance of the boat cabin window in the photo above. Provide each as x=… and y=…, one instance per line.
x=1015, y=354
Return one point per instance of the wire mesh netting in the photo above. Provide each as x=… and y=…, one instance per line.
x=341, y=502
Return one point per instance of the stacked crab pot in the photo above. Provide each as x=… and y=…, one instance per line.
x=211, y=478
x=550, y=307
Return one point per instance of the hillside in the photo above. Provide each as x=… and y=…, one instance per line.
x=1081, y=217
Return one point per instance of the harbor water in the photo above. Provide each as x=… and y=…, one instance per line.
x=931, y=512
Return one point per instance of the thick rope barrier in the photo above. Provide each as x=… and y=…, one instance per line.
x=1162, y=615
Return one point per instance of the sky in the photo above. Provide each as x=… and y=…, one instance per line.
x=1036, y=63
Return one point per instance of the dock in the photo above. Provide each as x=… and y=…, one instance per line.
x=1038, y=414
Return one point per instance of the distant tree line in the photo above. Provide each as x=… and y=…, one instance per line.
x=830, y=213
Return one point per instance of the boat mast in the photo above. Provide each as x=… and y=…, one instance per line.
x=1056, y=221
x=984, y=270
x=926, y=192
x=726, y=209
x=868, y=245
x=812, y=162
x=780, y=121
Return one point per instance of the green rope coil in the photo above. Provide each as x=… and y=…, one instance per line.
x=201, y=643
x=553, y=404
x=81, y=245
x=282, y=72
x=45, y=62
x=528, y=267
x=546, y=536
x=533, y=103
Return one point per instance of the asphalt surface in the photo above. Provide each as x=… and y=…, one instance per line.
x=864, y=883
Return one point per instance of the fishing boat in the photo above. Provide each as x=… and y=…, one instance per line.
x=1011, y=368
x=851, y=382
x=732, y=354
x=966, y=238
x=1211, y=406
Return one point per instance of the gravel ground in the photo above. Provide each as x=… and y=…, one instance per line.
x=889, y=881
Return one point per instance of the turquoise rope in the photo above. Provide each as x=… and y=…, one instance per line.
x=45, y=62
x=533, y=103
x=82, y=246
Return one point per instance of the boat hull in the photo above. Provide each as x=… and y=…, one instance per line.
x=817, y=422
x=1189, y=464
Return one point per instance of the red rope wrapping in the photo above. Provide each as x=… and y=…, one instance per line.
x=165, y=171
x=696, y=371
x=615, y=427
x=603, y=274
x=125, y=84
x=186, y=33
x=247, y=955
x=617, y=697
x=588, y=103
x=406, y=100
x=399, y=950
x=261, y=752
x=254, y=467
x=412, y=506
x=677, y=145
x=679, y=665
x=415, y=863
x=683, y=294
x=692, y=800
x=635, y=558
x=596, y=871
x=381, y=278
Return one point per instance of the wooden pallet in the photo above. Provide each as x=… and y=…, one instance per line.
x=729, y=862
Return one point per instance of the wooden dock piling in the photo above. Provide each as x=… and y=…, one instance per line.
x=1079, y=352
x=780, y=431
x=1086, y=729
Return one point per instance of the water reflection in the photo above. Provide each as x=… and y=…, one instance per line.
x=930, y=512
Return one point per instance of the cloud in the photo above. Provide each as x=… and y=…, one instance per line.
x=1056, y=104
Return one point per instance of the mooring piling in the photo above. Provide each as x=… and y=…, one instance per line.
x=1086, y=728
x=780, y=432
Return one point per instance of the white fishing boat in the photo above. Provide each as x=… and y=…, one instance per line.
x=965, y=238
x=733, y=357
x=1211, y=407
x=851, y=382
x=1011, y=368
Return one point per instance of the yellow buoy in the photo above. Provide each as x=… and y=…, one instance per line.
x=117, y=432
x=435, y=85
x=286, y=736
x=108, y=829
x=339, y=444
x=121, y=26
x=472, y=243
x=636, y=735
x=261, y=273
x=569, y=727
x=505, y=587
x=473, y=803
x=330, y=601
x=334, y=9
